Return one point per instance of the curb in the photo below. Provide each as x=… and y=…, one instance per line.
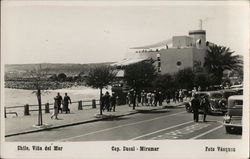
x=178, y=105
x=67, y=125
x=83, y=122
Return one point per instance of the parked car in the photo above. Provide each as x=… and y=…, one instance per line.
x=233, y=118
x=239, y=91
x=229, y=92
x=217, y=102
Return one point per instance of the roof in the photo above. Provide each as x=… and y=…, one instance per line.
x=237, y=86
x=155, y=45
x=126, y=62
x=236, y=97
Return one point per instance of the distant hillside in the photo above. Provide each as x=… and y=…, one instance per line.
x=54, y=68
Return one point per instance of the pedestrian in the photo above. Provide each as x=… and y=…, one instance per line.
x=181, y=95
x=195, y=103
x=148, y=98
x=173, y=95
x=113, y=101
x=107, y=101
x=160, y=98
x=128, y=97
x=143, y=96
x=177, y=96
x=156, y=99
x=134, y=99
x=59, y=102
x=152, y=96
x=204, y=105
x=56, y=110
x=194, y=91
x=66, y=101
x=199, y=88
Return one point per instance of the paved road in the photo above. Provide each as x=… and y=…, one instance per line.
x=174, y=123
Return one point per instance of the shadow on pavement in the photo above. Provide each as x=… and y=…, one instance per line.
x=172, y=107
x=115, y=118
x=153, y=111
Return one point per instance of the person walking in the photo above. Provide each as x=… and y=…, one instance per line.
x=55, y=112
x=160, y=98
x=181, y=95
x=152, y=95
x=59, y=102
x=205, y=105
x=177, y=96
x=148, y=98
x=156, y=100
x=113, y=101
x=66, y=101
x=153, y=98
x=143, y=94
x=195, y=103
x=102, y=102
x=134, y=99
x=107, y=101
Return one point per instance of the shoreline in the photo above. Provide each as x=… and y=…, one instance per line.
x=47, y=85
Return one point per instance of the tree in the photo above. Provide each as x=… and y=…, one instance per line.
x=163, y=82
x=218, y=59
x=201, y=80
x=140, y=75
x=184, y=78
x=38, y=76
x=53, y=77
x=61, y=77
x=100, y=77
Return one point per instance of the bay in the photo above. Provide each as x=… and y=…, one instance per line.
x=20, y=97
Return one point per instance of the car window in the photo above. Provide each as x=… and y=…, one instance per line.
x=216, y=95
x=236, y=103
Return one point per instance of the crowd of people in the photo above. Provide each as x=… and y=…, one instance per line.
x=197, y=104
x=59, y=101
x=153, y=98
x=109, y=102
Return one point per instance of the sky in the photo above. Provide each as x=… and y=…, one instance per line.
x=68, y=32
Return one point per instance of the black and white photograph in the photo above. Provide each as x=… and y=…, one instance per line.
x=124, y=79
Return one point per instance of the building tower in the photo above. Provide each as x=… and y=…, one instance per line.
x=198, y=37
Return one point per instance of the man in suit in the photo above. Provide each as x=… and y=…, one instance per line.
x=66, y=101
x=195, y=102
x=205, y=106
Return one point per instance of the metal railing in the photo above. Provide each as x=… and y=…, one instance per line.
x=46, y=107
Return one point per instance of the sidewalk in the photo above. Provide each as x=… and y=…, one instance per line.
x=26, y=124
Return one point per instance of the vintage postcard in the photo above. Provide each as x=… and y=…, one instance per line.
x=124, y=79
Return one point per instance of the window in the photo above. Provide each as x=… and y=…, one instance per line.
x=178, y=63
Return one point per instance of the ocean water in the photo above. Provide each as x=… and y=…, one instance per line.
x=20, y=97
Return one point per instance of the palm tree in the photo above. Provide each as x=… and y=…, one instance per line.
x=219, y=59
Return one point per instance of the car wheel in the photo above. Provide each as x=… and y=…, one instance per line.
x=229, y=129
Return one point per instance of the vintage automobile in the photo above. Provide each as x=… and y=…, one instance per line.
x=229, y=92
x=233, y=118
x=217, y=102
